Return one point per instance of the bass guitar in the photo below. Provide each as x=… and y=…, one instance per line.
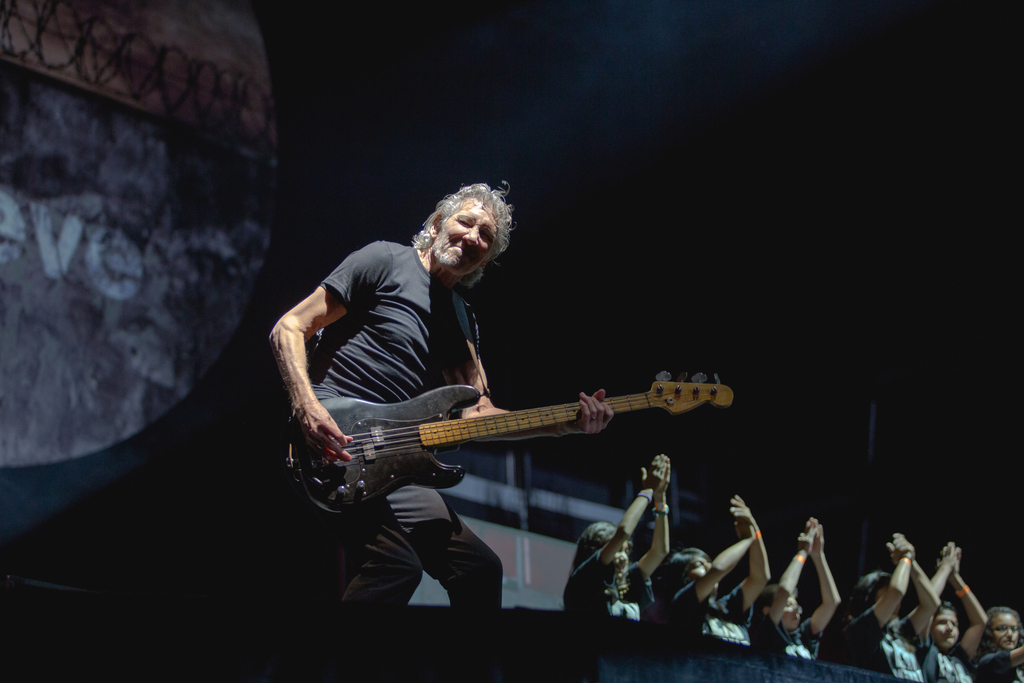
x=394, y=444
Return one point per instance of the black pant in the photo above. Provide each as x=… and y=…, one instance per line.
x=389, y=543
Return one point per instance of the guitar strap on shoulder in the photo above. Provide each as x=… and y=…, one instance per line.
x=469, y=328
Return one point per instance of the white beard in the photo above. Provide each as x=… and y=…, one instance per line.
x=444, y=253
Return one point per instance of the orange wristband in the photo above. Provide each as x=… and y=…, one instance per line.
x=800, y=558
x=963, y=591
x=907, y=560
x=757, y=534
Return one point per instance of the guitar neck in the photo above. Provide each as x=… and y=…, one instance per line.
x=449, y=433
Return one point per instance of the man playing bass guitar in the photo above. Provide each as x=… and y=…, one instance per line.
x=393, y=328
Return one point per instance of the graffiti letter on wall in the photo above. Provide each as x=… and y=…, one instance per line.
x=56, y=255
x=114, y=263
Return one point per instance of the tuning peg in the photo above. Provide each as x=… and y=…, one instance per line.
x=662, y=376
x=717, y=381
x=681, y=378
x=700, y=378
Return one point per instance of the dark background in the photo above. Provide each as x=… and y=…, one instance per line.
x=816, y=204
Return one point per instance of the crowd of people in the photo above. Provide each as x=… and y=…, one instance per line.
x=681, y=589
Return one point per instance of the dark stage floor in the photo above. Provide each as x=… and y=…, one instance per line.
x=54, y=634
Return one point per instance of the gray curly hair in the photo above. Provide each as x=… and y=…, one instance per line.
x=492, y=200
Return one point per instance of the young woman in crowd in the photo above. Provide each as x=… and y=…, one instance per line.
x=1000, y=653
x=948, y=656
x=691, y=577
x=780, y=629
x=876, y=637
x=603, y=580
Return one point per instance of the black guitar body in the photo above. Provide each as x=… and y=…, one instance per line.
x=387, y=452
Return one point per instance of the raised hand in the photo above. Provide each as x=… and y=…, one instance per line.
x=805, y=541
x=899, y=548
x=818, y=545
x=744, y=519
x=659, y=476
x=947, y=556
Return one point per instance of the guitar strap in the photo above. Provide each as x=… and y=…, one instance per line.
x=469, y=328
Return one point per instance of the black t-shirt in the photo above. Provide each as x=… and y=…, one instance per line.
x=890, y=649
x=995, y=667
x=591, y=588
x=722, y=618
x=399, y=332
x=775, y=638
x=952, y=667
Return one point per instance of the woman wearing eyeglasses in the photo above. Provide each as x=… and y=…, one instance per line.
x=1000, y=654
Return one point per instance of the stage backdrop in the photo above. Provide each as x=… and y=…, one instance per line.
x=135, y=216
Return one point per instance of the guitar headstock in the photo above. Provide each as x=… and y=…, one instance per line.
x=680, y=397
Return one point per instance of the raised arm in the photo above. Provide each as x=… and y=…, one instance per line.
x=790, y=577
x=760, y=572
x=829, y=593
x=726, y=560
x=943, y=567
x=971, y=637
x=661, y=474
x=635, y=512
x=902, y=555
x=927, y=600
x=288, y=342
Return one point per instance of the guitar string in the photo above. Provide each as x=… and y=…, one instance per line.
x=397, y=440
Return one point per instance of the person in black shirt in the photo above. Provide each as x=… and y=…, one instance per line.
x=391, y=330
x=780, y=629
x=691, y=577
x=876, y=637
x=947, y=658
x=1000, y=653
x=603, y=580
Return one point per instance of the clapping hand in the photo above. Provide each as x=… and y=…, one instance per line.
x=899, y=548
